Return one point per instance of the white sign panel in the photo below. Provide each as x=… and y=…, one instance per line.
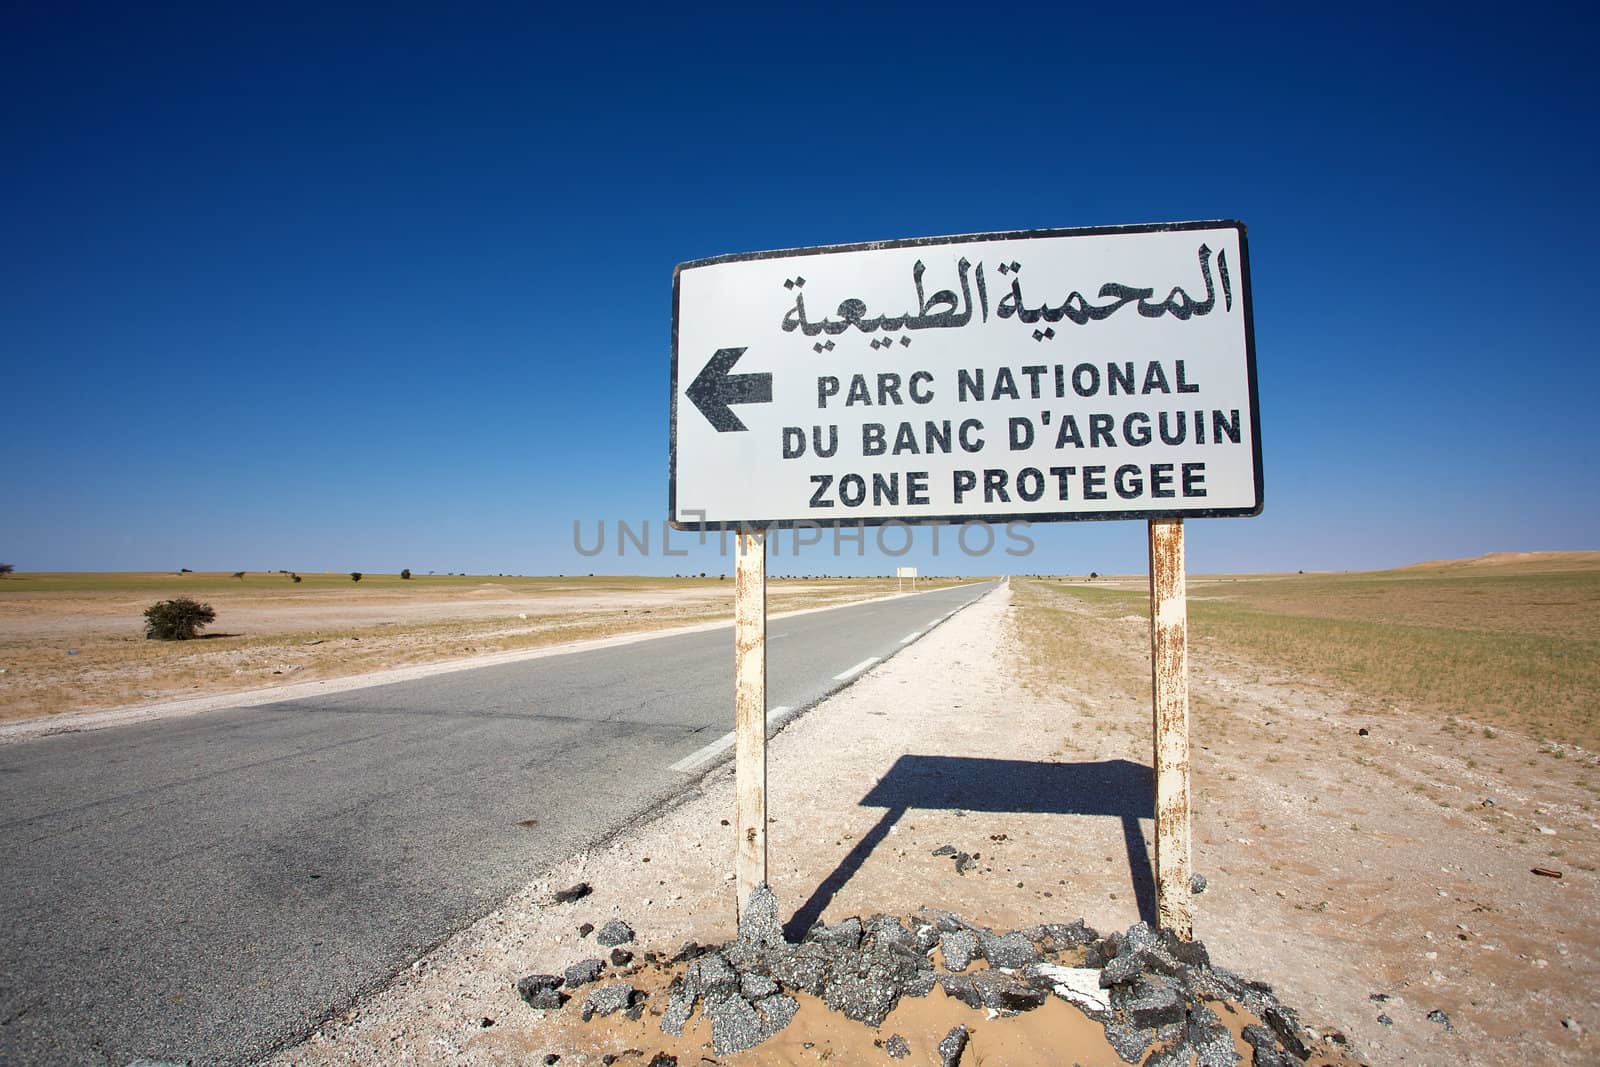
x=905, y=572
x=1044, y=375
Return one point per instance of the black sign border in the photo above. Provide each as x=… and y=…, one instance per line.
x=999, y=517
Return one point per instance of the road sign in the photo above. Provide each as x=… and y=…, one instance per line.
x=902, y=573
x=1039, y=375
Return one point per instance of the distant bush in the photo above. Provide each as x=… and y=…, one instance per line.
x=406, y=574
x=355, y=576
x=296, y=577
x=239, y=575
x=177, y=620
x=1093, y=575
x=6, y=569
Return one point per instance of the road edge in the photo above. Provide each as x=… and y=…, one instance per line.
x=131, y=714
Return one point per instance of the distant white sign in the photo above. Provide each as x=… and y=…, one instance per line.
x=1062, y=374
x=905, y=572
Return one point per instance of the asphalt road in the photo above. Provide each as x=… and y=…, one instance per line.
x=209, y=888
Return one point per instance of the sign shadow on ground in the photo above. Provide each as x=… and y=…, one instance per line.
x=1116, y=788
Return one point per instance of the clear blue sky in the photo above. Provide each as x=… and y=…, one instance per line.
x=392, y=288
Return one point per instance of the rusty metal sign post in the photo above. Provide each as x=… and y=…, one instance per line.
x=750, y=713
x=1027, y=376
x=1169, y=689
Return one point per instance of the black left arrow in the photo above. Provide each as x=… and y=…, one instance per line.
x=713, y=389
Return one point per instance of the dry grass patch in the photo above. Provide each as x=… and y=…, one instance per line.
x=1502, y=646
x=1062, y=644
x=1511, y=650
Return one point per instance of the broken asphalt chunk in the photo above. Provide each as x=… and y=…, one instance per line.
x=994, y=990
x=958, y=947
x=1208, y=1039
x=776, y=1011
x=861, y=999
x=804, y=967
x=691, y=950
x=1176, y=1054
x=753, y=986
x=758, y=922
x=539, y=990
x=735, y=1026
x=1286, y=1025
x=886, y=930
x=680, y=1005
x=1264, y=1048
x=584, y=972
x=1121, y=970
x=607, y=1000
x=711, y=976
x=845, y=935
x=1059, y=937
x=961, y=988
x=1150, y=1002
x=1009, y=950
x=614, y=933
x=1129, y=1041
x=953, y=1045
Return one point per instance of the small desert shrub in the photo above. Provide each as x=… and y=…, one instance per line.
x=239, y=575
x=177, y=620
x=296, y=577
x=6, y=569
x=406, y=573
x=355, y=576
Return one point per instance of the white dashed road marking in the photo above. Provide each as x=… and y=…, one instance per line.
x=857, y=669
x=701, y=756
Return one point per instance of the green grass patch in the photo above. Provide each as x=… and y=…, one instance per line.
x=1540, y=684
x=1505, y=647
